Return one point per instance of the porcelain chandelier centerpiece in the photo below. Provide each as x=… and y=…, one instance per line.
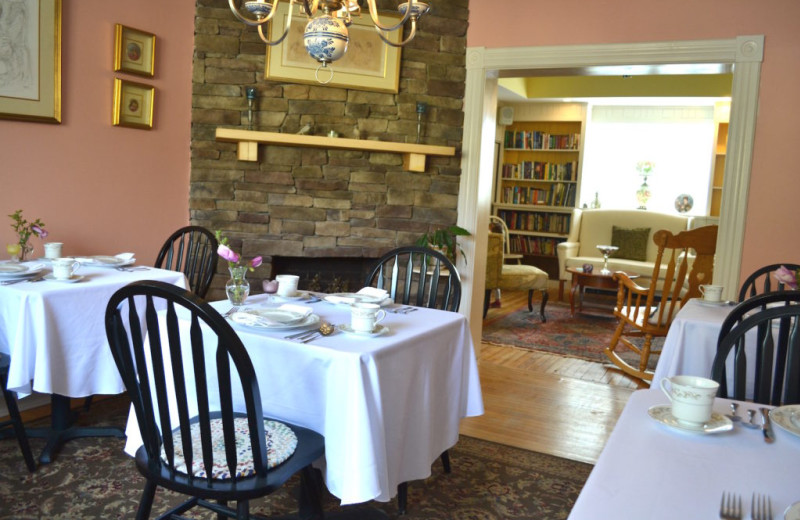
x=643, y=194
x=326, y=35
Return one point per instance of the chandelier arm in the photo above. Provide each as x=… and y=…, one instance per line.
x=309, y=9
x=411, y=35
x=248, y=21
x=373, y=12
x=279, y=40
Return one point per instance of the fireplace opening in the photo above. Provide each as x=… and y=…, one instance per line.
x=328, y=275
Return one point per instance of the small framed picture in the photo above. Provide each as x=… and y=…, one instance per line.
x=133, y=104
x=134, y=51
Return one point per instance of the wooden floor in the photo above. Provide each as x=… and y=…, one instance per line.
x=544, y=402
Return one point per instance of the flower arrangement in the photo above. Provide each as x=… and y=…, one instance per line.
x=787, y=277
x=231, y=256
x=24, y=230
x=645, y=168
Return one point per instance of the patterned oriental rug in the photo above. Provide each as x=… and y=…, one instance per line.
x=93, y=479
x=582, y=336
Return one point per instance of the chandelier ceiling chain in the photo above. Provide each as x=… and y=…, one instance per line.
x=326, y=36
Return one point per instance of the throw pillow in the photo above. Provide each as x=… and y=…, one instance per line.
x=632, y=243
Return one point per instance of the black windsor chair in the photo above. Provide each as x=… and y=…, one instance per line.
x=193, y=251
x=761, y=281
x=776, y=367
x=14, y=419
x=436, y=286
x=208, y=454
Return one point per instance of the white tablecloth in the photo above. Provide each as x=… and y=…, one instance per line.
x=388, y=406
x=55, y=331
x=648, y=470
x=691, y=343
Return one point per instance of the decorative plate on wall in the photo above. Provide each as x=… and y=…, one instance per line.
x=684, y=203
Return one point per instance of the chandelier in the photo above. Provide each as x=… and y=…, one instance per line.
x=326, y=36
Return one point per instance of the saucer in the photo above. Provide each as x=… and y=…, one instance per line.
x=792, y=512
x=663, y=414
x=379, y=329
x=720, y=303
x=298, y=295
x=74, y=278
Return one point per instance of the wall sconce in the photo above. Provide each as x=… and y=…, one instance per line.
x=421, y=108
x=251, y=94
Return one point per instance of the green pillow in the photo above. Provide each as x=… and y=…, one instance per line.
x=632, y=243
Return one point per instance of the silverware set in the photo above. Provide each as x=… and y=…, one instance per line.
x=19, y=280
x=129, y=269
x=765, y=426
x=403, y=310
x=730, y=507
x=325, y=329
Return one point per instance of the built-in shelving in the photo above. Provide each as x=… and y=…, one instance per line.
x=414, y=155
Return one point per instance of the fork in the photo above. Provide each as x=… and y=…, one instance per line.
x=230, y=311
x=730, y=508
x=761, y=507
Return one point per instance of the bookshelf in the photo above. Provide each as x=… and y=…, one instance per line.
x=538, y=182
x=721, y=119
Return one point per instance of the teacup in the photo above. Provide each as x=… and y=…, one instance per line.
x=52, y=249
x=64, y=268
x=364, y=317
x=287, y=284
x=692, y=398
x=711, y=293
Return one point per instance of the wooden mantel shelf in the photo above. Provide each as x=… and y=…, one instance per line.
x=247, y=140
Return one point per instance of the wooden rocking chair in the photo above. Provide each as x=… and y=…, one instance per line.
x=687, y=261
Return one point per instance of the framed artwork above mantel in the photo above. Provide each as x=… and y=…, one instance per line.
x=369, y=64
x=30, y=61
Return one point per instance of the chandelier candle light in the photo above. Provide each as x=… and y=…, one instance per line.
x=326, y=36
x=643, y=194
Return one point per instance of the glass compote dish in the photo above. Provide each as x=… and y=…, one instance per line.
x=606, y=250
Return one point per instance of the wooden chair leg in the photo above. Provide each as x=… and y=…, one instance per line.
x=530, y=300
x=402, y=498
x=146, y=502
x=446, y=461
x=545, y=296
x=561, y=290
x=486, y=302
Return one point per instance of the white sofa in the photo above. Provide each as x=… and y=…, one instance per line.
x=592, y=227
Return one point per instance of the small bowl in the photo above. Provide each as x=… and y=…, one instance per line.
x=270, y=286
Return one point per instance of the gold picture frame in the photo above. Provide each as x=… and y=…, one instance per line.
x=369, y=64
x=134, y=51
x=133, y=104
x=30, y=84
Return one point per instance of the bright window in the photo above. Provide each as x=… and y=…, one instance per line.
x=676, y=139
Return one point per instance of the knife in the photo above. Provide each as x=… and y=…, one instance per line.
x=766, y=427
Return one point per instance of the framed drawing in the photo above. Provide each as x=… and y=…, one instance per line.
x=134, y=51
x=369, y=64
x=133, y=104
x=30, y=60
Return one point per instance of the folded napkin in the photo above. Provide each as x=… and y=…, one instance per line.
x=245, y=318
x=303, y=310
x=374, y=292
x=339, y=299
x=125, y=256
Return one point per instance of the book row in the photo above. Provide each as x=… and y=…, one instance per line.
x=538, y=170
x=536, y=221
x=535, y=140
x=534, y=245
x=559, y=194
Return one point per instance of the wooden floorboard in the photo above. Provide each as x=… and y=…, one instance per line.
x=544, y=402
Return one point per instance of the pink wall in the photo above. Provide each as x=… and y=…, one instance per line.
x=102, y=189
x=773, y=209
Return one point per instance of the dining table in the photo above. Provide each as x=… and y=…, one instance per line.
x=388, y=403
x=54, y=332
x=649, y=468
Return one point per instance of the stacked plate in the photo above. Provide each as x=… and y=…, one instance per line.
x=16, y=271
x=273, y=319
x=107, y=261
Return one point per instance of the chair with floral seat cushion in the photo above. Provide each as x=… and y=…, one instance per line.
x=193, y=251
x=14, y=419
x=763, y=280
x=182, y=376
x=683, y=262
x=512, y=277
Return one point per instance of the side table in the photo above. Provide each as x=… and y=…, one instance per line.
x=596, y=279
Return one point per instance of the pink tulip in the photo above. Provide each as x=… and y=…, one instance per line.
x=39, y=231
x=255, y=262
x=226, y=253
x=786, y=276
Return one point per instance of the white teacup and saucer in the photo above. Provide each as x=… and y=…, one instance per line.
x=691, y=408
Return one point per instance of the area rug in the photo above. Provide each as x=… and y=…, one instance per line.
x=93, y=479
x=582, y=336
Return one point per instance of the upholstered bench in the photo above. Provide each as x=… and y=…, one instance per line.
x=512, y=277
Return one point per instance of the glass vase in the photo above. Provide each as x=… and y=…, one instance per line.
x=237, y=288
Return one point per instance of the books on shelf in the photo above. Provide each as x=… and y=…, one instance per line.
x=538, y=170
x=536, y=221
x=559, y=194
x=535, y=140
x=545, y=246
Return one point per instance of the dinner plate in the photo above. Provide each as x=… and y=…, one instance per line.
x=379, y=329
x=787, y=417
x=11, y=270
x=111, y=261
x=273, y=319
x=74, y=278
x=663, y=414
x=792, y=512
x=720, y=303
x=298, y=295
x=346, y=298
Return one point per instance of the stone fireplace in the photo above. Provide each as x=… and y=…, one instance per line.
x=328, y=274
x=334, y=208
